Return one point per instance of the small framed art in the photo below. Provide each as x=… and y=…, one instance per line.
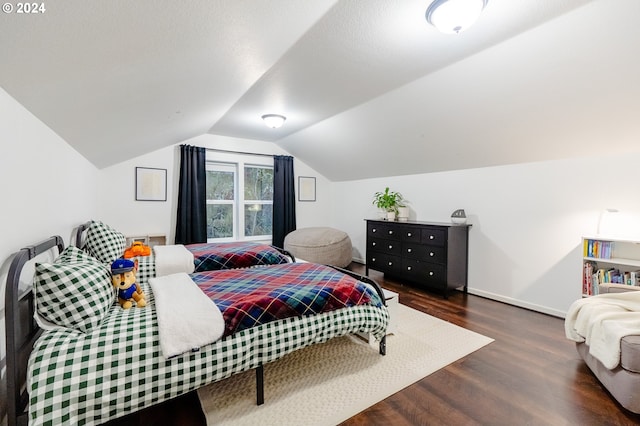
x=306, y=188
x=151, y=184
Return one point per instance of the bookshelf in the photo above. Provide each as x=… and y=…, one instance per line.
x=610, y=261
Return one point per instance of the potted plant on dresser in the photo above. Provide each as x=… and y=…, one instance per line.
x=389, y=201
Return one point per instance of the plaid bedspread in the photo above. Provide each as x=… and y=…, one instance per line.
x=250, y=297
x=76, y=378
x=239, y=254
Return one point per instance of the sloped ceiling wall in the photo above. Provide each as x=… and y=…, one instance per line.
x=369, y=89
x=568, y=88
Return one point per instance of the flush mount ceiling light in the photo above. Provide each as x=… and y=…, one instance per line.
x=454, y=16
x=274, y=120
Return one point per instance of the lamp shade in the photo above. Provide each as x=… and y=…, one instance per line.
x=274, y=120
x=454, y=16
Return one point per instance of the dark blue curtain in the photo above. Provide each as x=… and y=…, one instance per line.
x=191, y=222
x=284, y=199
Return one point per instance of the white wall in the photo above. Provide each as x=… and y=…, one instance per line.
x=528, y=219
x=119, y=208
x=47, y=189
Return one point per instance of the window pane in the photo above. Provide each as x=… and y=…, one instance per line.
x=219, y=185
x=258, y=183
x=219, y=220
x=257, y=219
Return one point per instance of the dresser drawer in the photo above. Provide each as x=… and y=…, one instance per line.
x=409, y=234
x=428, y=253
x=434, y=236
x=384, y=246
x=383, y=230
x=384, y=262
x=424, y=272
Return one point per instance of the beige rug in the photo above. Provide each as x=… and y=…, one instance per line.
x=327, y=383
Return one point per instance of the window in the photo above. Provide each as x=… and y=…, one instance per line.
x=221, y=185
x=239, y=198
x=258, y=201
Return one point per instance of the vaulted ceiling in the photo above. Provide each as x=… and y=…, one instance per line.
x=368, y=87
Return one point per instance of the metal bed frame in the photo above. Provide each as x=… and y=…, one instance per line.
x=80, y=230
x=22, y=330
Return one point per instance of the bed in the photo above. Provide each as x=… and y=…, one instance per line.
x=107, y=244
x=87, y=373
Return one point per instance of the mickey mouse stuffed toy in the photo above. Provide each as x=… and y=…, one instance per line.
x=123, y=277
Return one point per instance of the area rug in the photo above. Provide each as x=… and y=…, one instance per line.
x=325, y=384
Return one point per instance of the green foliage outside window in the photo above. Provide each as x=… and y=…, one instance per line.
x=219, y=221
x=257, y=219
x=220, y=185
x=258, y=183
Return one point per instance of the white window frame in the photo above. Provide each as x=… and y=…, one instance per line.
x=226, y=167
x=238, y=162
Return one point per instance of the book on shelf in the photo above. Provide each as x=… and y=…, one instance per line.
x=588, y=278
x=598, y=249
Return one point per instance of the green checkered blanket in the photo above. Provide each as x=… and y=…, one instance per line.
x=118, y=368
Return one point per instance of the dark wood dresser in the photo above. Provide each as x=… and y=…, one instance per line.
x=431, y=255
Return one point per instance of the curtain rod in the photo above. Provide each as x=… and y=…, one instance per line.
x=239, y=152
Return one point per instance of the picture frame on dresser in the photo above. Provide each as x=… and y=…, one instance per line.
x=429, y=255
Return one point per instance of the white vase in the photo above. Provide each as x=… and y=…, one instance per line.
x=403, y=214
x=391, y=216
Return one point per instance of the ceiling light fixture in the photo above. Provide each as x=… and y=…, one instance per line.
x=274, y=120
x=454, y=16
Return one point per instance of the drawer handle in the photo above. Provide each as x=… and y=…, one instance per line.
x=431, y=237
x=408, y=250
x=431, y=273
x=390, y=246
x=408, y=234
x=373, y=259
x=390, y=232
x=431, y=254
x=373, y=243
x=408, y=268
x=390, y=263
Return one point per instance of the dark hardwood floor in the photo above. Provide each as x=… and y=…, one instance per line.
x=530, y=375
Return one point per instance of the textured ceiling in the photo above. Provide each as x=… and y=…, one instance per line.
x=368, y=87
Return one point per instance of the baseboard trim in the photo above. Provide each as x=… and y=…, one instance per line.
x=507, y=300
x=516, y=302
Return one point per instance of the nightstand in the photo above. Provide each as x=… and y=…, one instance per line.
x=148, y=240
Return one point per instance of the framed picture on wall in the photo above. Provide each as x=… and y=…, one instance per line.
x=306, y=188
x=151, y=184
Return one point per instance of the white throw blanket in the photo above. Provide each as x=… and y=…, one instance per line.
x=187, y=318
x=172, y=259
x=602, y=321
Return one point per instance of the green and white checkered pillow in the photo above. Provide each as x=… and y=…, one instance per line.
x=73, y=254
x=74, y=294
x=104, y=243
